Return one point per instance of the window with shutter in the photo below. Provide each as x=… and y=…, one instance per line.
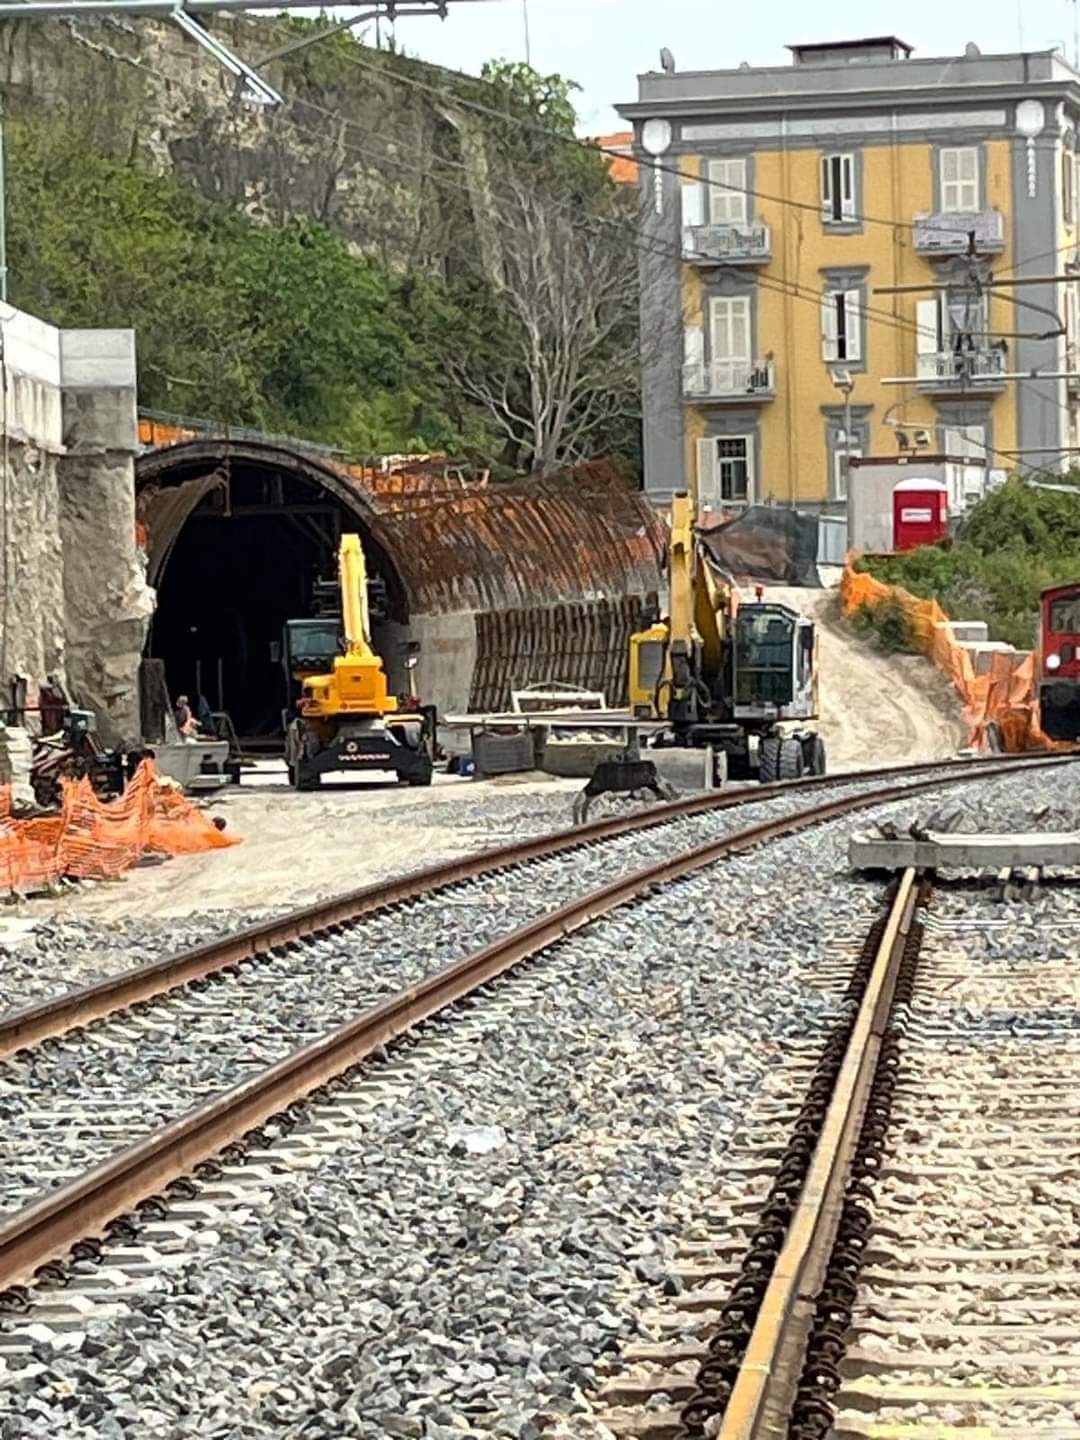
x=693, y=205
x=959, y=171
x=727, y=192
x=729, y=341
x=851, y=336
x=707, y=494
x=735, y=465
x=927, y=337
x=838, y=189
x=693, y=360
x=841, y=325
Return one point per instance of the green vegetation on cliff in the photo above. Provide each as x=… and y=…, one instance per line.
x=1015, y=542
x=496, y=252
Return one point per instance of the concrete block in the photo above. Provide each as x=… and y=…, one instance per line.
x=32, y=348
x=97, y=359
x=982, y=654
x=965, y=632
x=951, y=850
x=703, y=769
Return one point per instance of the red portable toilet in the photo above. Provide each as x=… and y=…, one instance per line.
x=920, y=513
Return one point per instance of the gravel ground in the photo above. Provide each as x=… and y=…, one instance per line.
x=194, y=1042
x=44, y=950
x=979, y=1196
x=407, y=1288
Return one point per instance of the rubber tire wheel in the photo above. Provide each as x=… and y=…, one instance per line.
x=422, y=779
x=769, y=760
x=816, y=758
x=791, y=760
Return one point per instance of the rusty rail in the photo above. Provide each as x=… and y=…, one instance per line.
x=49, y=1227
x=760, y=1401
x=21, y=1029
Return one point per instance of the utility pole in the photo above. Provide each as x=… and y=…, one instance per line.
x=525, y=19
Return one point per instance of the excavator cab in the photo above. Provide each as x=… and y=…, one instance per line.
x=774, y=670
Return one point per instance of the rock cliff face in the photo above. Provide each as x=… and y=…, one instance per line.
x=73, y=599
x=352, y=147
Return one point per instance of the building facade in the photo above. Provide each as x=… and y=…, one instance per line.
x=777, y=202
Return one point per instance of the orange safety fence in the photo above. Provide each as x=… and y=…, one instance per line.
x=95, y=839
x=1005, y=695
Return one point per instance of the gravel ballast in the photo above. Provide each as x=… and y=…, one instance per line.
x=459, y=1262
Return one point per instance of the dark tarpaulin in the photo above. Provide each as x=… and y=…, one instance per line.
x=766, y=543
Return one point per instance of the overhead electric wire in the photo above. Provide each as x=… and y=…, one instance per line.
x=649, y=245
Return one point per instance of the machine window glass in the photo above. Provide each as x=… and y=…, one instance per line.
x=763, y=656
x=1065, y=615
x=650, y=663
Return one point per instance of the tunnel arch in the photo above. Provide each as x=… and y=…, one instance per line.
x=235, y=533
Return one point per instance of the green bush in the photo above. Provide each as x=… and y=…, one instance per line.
x=885, y=626
x=1015, y=542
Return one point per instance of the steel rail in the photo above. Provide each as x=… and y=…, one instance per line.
x=760, y=1401
x=20, y=1029
x=83, y=1207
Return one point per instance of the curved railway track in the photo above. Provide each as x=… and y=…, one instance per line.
x=85, y=1204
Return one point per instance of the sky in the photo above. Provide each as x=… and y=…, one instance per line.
x=605, y=44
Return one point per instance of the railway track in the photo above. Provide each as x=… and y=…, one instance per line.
x=84, y=1206
x=895, y=1258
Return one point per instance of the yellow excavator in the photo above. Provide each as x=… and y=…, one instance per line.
x=347, y=720
x=727, y=674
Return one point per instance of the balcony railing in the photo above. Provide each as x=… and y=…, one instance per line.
x=727, y=244
x=729, y=380
x=946, y=232
x=970, y=369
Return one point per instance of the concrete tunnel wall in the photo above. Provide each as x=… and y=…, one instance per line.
x=74, y=599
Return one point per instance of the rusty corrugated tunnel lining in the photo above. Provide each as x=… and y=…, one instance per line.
x=503, y=585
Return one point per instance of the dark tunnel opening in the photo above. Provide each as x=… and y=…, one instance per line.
x=243, y=563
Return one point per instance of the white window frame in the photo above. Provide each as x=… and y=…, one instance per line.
x=960, y=191
x=838, y=189
x=841, y=310
x=1072, y=324
x=840, y=475
x=710, y=471
x=727, y=191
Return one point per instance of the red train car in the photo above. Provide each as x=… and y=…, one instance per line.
x=1059, y=662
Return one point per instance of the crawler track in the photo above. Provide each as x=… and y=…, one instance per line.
x=85, y=1205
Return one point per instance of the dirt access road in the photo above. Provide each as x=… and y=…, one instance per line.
x=296, y=848
x=875, y=708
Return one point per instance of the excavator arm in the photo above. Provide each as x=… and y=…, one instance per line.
x=354, y=599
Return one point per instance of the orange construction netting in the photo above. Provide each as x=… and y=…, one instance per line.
x=95, y=839
x=1004, y=695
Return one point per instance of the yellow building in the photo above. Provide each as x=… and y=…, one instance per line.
x=776, y=203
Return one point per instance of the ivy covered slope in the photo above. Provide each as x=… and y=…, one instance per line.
x=460, y=276
x=1015, y=542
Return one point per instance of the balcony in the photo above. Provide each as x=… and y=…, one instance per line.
x=973, y=371
x=729, y=382
x=727, y=244
x=945, y=232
